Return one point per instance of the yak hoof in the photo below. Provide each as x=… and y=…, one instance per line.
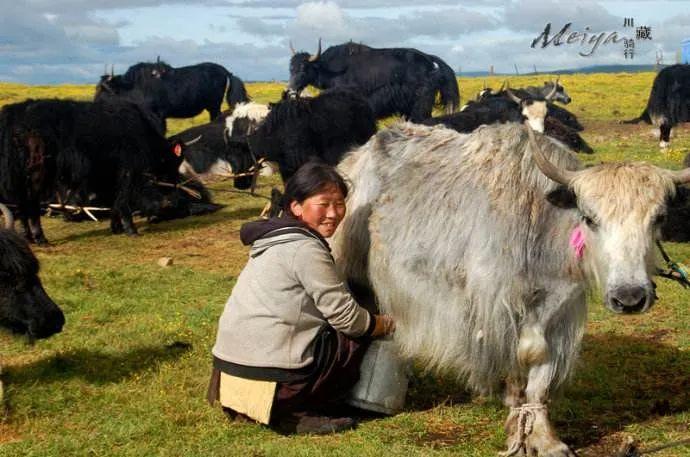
x=664, y=144
x=547, y=446
x=40, y=240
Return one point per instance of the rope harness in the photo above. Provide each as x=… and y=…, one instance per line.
x=527, y=413
x=676, y=271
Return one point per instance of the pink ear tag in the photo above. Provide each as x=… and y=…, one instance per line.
x=577, y=242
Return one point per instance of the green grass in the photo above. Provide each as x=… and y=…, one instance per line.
x=128, y=374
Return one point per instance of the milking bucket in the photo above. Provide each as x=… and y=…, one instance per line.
x=383, y=379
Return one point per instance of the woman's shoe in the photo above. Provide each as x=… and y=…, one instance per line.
x=306, y=423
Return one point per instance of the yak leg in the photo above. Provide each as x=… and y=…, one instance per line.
x=528, y=428
x=214, y=111
x=664, y=135
x=121, y=222
x=121, y=219
x=542, y=439
x=543, y=363
x=35, y=224
x=115, y=222
x=26, y=231
x=423, y=104
x=30, y=219
x=514, y=398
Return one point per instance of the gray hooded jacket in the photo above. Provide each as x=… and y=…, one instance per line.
x=288, y=290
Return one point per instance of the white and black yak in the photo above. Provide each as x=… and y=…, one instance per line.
x=482, y=247
x=509, y=106
x=297, y=130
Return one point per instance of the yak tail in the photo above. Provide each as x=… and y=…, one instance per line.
x=448, y=86
x=644, y=117
x=236, y=92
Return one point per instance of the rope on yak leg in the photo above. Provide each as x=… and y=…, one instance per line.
x=525, y=422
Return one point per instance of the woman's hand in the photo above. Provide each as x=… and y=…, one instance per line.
x=385, y=325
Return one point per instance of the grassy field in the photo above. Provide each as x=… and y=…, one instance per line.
x=128, y=374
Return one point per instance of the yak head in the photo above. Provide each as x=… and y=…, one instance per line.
x=533, y=110
x=112, y=86
x=304, y=69
x=621, y=208
x=24, y=305
x=559, y=93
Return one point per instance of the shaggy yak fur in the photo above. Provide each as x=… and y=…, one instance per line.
x=88, y=152
x=394, y=81
x=323, y=128
x=174, y=92
x=669, y=101
x=466, y=243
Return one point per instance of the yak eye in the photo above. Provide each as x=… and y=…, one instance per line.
x=660, y=219
x=591, y=223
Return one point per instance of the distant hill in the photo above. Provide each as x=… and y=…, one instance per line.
x=589, y=69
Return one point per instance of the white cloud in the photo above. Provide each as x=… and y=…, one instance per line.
x=321, y=18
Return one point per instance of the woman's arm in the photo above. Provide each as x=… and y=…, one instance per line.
x=315, y=270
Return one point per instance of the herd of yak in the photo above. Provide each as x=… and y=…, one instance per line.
x=113, y=152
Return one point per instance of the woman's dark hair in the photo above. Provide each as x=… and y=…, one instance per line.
x=309, y=180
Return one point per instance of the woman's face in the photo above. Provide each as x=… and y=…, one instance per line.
x=321, y=212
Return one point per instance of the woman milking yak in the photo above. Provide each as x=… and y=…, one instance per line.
x=292, y=337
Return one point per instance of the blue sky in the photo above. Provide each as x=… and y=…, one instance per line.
x=70, y=41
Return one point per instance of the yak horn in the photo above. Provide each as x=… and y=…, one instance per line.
x=551, y=171
x=551, y=94
x=318, y=53
x=292, y=49
x=112, y=70
x=105, y=86
x=191, y=142
x=681, y=176
x=9, y=218
x=513, y=97
x=503, y=85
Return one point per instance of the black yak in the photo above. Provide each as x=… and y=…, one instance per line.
x=175, y=92
x=24, y=305
x=394, y=81
x=105, y=152
x=669, y=102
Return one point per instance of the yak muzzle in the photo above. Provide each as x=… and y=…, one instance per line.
x=630, y=299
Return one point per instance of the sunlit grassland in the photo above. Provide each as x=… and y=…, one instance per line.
x=128, y=374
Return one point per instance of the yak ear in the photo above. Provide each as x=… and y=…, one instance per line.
x=562, y=197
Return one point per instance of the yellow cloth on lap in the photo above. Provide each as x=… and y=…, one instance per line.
x=248, y=396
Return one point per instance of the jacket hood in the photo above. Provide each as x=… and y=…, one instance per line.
x=263, y=234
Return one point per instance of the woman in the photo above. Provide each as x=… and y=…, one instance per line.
x=291, y=337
